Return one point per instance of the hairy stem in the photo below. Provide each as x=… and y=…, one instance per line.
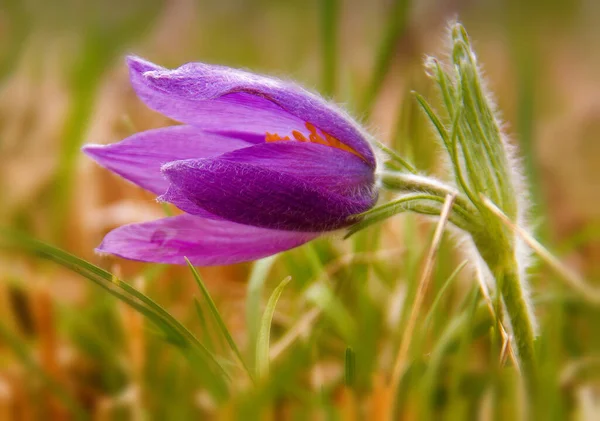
x=517, y=311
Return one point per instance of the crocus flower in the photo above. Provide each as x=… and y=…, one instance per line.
x=259, y=166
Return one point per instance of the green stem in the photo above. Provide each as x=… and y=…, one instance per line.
x=513, y=295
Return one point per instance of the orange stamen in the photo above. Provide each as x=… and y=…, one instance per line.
x=299, y=136
x=275, y=137
x=313, y=137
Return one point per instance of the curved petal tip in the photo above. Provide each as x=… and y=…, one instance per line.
x=140, y=65
x=90, y=148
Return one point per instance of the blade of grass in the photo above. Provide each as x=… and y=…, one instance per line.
x=446, y=342
x=458, y=369
x=401, y=356
x=264, y=334
x=203, y=325
x=312, y=316
x=215, y=312
x=256, y=282
x=440, y=294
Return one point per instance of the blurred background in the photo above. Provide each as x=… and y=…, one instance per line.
x=68, y=350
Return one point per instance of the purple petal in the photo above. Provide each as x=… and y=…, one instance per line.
x=178, y=198
x=139, y=157
x=241, y=113
x=253, y=195
x=204, y=242
x=325, y=167
x=224, y=99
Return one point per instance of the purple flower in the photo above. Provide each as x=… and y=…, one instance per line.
x=260, y=166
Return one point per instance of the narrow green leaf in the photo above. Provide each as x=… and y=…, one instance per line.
x=440, y=294
x=457, y=162
x=396, y=158
x=256, y=282
x=206, y=337
x=264, y=334
x=426, y=204
x=444, y=84
x=435, y=120
x=218, y=318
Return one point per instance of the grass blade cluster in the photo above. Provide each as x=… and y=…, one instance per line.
x=172, y=330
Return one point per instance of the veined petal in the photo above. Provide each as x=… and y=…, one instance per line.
x=194, y=91
x=204, y=242
x=140, y=157
x=254, y=195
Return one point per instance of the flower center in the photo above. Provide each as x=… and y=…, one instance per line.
x=315, y=136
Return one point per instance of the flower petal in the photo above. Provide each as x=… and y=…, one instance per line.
x=139, y=157
x=175, y=196
x=204, y=242
x=236, y=113
x=254, y=195
x=325, y=167
x=195, y=92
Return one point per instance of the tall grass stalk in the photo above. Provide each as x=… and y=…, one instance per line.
x=401, y=357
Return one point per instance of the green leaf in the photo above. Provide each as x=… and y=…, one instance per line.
x=215, y=312
x=264, y=334
x=435, y=120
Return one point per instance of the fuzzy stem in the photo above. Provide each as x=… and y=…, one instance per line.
x=513, y=295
